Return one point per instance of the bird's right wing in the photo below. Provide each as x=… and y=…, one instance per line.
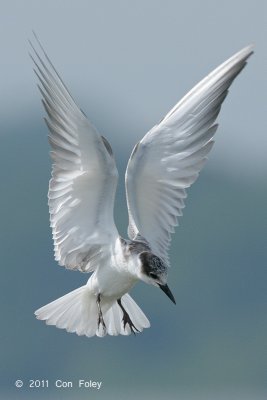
x=84, y=177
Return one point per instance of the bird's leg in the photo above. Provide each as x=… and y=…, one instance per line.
x=100, y=315
x=126, y=319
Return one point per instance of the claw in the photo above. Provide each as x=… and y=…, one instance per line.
x=100, y=315
x=126, y=319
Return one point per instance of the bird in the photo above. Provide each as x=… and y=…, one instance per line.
x=162, y=166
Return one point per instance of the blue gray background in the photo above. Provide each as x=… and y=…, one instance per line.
x=126, y=64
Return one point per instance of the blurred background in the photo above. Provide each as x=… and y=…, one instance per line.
x=127, y=63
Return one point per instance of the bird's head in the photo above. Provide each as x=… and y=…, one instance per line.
x=154, y=271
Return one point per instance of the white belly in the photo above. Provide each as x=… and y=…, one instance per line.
x=111, y=282
x=116, y=275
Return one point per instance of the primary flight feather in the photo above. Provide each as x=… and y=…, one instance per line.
x=82, y=190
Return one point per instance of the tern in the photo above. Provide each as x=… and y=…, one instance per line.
x=82, y=190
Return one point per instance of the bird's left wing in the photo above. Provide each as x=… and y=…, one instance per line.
x=84, y=177
x=170, y=156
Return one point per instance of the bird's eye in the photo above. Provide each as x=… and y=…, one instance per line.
x=153, y=276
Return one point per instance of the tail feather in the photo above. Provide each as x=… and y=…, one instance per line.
x=53, y=311
x=112, y=320
x=77, y=312
x=139, y=319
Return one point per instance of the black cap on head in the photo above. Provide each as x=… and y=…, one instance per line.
x=152, y=264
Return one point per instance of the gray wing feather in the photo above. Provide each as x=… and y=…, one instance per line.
x=170, y=156
x=84, y=177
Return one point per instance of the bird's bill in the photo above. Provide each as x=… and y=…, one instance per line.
x=166, y=290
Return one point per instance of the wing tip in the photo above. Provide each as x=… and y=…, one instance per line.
x=246, y=51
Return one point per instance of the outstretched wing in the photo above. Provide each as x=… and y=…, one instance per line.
x=84, y=177
x=170, y=156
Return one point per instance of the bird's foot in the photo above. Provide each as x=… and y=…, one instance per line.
x=100, y=321
x=127, y=320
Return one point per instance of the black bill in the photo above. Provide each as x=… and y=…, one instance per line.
x=167, y=291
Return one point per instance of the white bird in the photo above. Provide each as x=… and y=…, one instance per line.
x=81, y=199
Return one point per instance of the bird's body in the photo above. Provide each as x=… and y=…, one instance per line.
x=82, y=191
x=118, y=275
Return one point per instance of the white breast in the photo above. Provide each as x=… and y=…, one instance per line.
x=116, y=277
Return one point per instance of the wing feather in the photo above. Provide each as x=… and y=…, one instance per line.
x=170, y=156
x=84, y=177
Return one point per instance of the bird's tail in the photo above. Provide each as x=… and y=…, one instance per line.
x=78, y=312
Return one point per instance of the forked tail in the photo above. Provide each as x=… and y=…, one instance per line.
x=78, y=312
